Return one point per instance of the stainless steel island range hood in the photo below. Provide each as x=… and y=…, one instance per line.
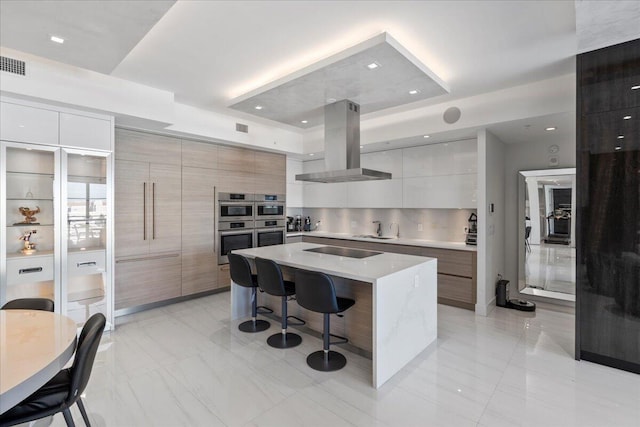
x=342, y=147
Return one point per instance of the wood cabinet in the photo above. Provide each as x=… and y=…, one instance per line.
x=236, y=159
x=147, y=280
x=457, y=280
x=199, y=257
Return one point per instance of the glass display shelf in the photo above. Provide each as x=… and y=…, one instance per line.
x=28, y=225
x=30, y=198
x=87, y=249
x=35, y=254
x=84, y=198
x=49, y=175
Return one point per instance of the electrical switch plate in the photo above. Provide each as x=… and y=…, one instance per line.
x=416, y=281
x=419, y=227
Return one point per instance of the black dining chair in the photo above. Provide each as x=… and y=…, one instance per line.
x=270, y=279
x=43, y=304
x=240, y=272
x=315, y=291
x=65, y=389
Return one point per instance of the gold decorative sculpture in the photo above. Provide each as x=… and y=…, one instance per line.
x=29, y=217
x=29, y=246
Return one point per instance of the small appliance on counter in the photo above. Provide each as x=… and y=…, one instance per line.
x=472, y=230
x=307, y=224
x=298, y=223
x=290, y=224
x=502, y=298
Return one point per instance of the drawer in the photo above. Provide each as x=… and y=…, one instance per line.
x=29, y=269
x=83, y=263
x=456, y=288
x=458, y=263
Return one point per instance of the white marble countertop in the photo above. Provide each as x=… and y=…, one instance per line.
x=365, y=269
x=460, y=246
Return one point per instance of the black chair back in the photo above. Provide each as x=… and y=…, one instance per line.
x=88, y=343
x=240, y=270
x=43, y=304
x=527, y=232
x=315, y=291
x=270, y=277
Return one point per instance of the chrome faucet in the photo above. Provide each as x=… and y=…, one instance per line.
x=379, y=230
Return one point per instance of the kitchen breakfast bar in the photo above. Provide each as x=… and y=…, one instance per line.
x=395, y=314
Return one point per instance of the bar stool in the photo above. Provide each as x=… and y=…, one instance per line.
x=316, y=292
x=270, y=279
x=241, y=274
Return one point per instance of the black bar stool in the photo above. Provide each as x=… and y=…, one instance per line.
x=316, y=292
x=241, y=274
x=270, y=280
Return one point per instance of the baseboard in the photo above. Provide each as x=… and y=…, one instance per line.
x=144, y=307
x=610, y=361
x=484, y=310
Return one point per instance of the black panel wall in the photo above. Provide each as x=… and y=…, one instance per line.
x=608, y=211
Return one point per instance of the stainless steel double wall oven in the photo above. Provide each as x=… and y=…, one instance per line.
x=248, y=221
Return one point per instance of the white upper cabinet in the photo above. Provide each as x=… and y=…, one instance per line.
x=20, y=123
x=320, y=195
x=385, y=161
x=294, y=167
x=85, y=132
x=375, y=194
x=437, y=192
x=294, y=188
x=450, y=158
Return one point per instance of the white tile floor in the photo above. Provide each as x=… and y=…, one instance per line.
x=187, y=365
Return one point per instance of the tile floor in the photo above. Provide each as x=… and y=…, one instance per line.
x=187, y=365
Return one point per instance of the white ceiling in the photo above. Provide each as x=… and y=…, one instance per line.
x=210, y=52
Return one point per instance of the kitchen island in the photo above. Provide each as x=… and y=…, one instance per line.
x=395, y=315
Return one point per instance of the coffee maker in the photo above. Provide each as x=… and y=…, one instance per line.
x=290, y=225
x=298, y=223
x=472, y=230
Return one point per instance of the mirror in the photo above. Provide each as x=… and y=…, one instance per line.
x=547, y=252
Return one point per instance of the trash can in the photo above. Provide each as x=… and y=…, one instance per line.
x=502, y=293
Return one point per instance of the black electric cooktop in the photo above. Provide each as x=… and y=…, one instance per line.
x=348, y=252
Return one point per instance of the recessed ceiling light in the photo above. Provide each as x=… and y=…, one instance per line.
x=620, y=136
x=636, y=87
x=426, y=136
x=626, y=118
x=258, y=107
x=304, y=121
x=550, y=128
x=373, y=66
x=618, y=147
x=311, y=154
x=331, y=100
x=57, y=39
x=413, y=92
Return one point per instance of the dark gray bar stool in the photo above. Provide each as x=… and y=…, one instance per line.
x=240, y=270
x=270, y=280
x=316, y=292
x=44, y=304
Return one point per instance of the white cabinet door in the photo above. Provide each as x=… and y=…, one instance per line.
x=450, y=158
x=320, y=195
x=385, y=161
x=294, y=195
x=294, y=167
x=375, y=194
x=85, y=132
x=28, y=124
x=448, y=191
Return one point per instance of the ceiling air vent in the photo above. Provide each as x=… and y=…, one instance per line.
x=242, y=128
x=11, y=65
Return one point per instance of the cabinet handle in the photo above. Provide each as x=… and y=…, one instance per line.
x=144, y=211
x=153, y=212
x=30, y=270
x=86, y=264
x=147, y=258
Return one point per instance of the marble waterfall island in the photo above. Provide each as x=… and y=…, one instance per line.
x=395, y=315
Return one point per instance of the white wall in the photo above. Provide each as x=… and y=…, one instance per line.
x=521, y=157
x=491, y=230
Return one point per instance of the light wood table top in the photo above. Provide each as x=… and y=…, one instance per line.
x=34, y=346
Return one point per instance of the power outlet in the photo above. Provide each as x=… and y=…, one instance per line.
x=420, y=227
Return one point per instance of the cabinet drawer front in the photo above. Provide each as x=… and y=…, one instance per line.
x=145, y=280
x=458, y=263
x=29, y=270
x=456, y=288
x=83, y=263
x=224, y=276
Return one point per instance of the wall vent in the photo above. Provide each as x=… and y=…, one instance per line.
x=11, y=65
x=242, y=128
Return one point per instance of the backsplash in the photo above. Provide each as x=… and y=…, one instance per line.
x=437, y=224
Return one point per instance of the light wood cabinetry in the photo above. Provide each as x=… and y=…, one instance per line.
x=457, y=280
x=165, y=212
x=199, y=257
x=146, y=280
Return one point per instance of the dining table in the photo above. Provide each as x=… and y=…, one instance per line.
x=34, y=346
